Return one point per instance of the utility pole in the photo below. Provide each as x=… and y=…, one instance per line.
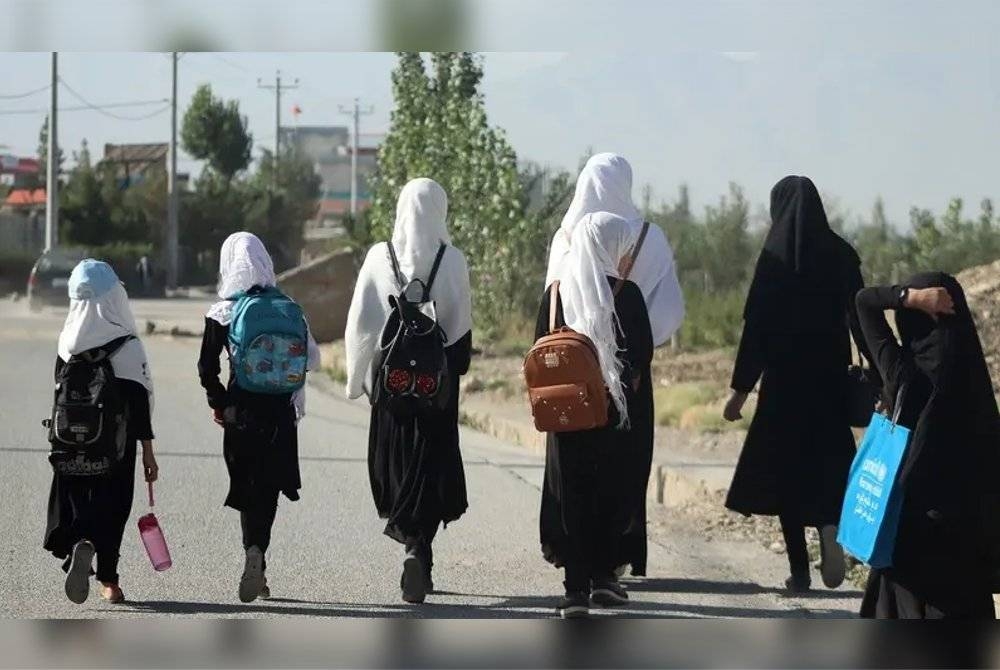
x=52, y=164
x=278, y=87
x=172, y=243
x=356, y=112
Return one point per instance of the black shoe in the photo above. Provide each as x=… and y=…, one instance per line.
x=608, y=593
x=413, y=582
x=574, y=605
x=832, y=565
x=798, y=584
x=252, y=579
x=78, y=575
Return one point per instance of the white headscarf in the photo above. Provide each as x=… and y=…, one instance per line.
x=598, y=244
x=99, y=312
x=243, y=264
x=605, y=185
x=419, y=230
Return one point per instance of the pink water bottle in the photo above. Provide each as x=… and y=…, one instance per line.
x=152, y=537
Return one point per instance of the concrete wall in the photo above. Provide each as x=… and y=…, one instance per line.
x=324, y=288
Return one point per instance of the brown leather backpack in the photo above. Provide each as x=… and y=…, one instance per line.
x=563, y=373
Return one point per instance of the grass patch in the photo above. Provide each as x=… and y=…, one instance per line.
x=673, y=401
x=336, y=373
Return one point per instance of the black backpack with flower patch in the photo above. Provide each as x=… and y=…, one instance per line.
x=411, y=361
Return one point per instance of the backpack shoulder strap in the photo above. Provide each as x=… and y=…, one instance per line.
x=395, y=265
x=553, y=305
x=434, y=271
x=620, y=284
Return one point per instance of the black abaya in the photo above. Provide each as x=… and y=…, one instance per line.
x=593, y=497
x=415, y=465
x=942, y=563
x=796, y=341
x=98, y=508
x=261, y=447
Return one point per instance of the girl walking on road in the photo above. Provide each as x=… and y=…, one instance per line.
x=795, y=341
x=414, y=460
x=89, y=506
x=945, y=560
x=588, y=497
x=605, y=185
x=260, y=425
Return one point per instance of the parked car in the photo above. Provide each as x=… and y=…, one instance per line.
x=50, y=276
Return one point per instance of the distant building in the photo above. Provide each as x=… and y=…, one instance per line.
x=132, y=162
x=329, y=148
x=18, y=172
x=22, y=211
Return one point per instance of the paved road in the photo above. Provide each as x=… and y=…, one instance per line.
x=328, y=557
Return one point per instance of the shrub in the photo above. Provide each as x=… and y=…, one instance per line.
x=671, y=402
x=712, y=319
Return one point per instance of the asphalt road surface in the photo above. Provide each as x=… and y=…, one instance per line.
x=328, y=557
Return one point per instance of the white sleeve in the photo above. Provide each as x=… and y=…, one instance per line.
x=361, y=332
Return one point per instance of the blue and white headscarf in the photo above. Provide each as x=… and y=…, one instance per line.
x=99, y=312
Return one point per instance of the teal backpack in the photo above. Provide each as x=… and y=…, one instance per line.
x=268, y=342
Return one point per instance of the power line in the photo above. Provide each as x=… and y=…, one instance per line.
x=100, y=110
x=26, y=94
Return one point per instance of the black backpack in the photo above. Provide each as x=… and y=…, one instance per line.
x=411, y=362
x=87, y=431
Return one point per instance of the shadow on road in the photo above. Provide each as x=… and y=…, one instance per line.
x=682, y=585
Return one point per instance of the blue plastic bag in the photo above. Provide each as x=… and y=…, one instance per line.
x=869, y=517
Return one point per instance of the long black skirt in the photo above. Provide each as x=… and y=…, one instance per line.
x=415, y=466
x=95, y=509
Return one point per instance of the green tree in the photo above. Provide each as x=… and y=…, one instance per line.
x=43, y=153
x=439, y=129
x=277, y=206
x=84, y=212
x=216, y=132
x=727, y=254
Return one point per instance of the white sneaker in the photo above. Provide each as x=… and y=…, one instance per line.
x=252, y=580
x=832, y=565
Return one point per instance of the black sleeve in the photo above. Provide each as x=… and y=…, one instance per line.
x=59, y=366
x=885, y=349
x=212, y=344
x=459, y=354
x=855, y=283
x=137, y=398
x=638, y=332
x=749, y=357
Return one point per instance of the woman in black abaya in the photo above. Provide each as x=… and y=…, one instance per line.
x=796, y=341
x=414, y=464
x=588, y=497
x=945, y=555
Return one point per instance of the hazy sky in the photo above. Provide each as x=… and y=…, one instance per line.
x=914, y=126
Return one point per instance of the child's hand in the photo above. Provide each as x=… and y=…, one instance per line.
x=149, y=466
x=931, y=301
x=733, y=410
x=218, y=417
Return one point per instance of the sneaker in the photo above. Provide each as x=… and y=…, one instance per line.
x=832, y=565
x=608, y=593
x=574, y=605
x=252, y=580
x=112, y=593
x=797, y=584
x=412, y=583
x=78, y=575
x=265, y=592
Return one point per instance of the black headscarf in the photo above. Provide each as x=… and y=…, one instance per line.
x=799, y=280
x=954, y=447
